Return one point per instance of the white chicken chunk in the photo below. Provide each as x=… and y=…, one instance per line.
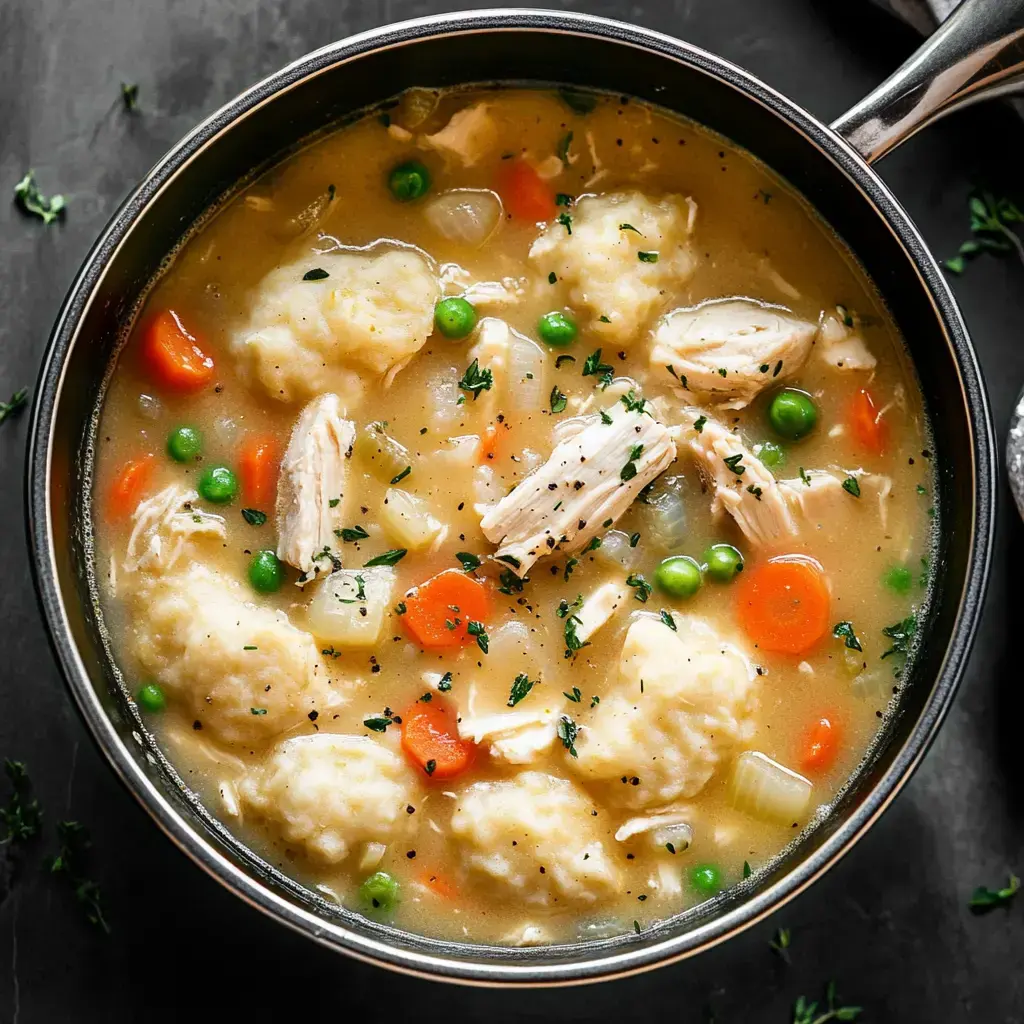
x=696, y=704
x=840, y=345
x=727, y=351
x=372, y=310
x=624, y=255
x=312, y=476
x=491, y=350
x=240, y=670
x=587, y=481
x=330, y=793
x=533, y=835
x=514, y=737
x=468, y=137
x=599, y=607
x=822, y=502
x=740, y=484
x=167, y=527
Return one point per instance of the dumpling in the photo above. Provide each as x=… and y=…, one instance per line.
x=625, y=251
x=727, y=351
x=243, y=671
x=694, y=707
x=372, y=310
x=536, y=837
x=331, y=792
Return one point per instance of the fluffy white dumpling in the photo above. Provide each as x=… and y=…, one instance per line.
x=697, y=704
x=242, y=671
x=535, y=836
x=331, y=792
x=600, y=261
x=373, y=310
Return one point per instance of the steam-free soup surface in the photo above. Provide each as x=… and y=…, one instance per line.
x=512, y=513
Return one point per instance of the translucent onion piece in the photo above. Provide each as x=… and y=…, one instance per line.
x=528, y=389
x=615, y=548
x=680, y=836
x=666, y=513
x=385, y=456
x=150, y=407
x=444, y=397
x=339, y=615
x=767, y=790
x=408, y=520
x=415, y=106
x=467, y=215
x=225, y=431
x=373, y=854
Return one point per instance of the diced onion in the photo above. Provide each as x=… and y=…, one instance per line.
x=444, y=397
x=150, y=407
x=408, y=520
x=385, y=456
x=467, y=215
x=416, y=105
x=373, y=854
x=666, y=513
x=767, y=790
x=527, y=377
x=680, y=836
x=615, y=548
x=874, y=684
x=338, y=615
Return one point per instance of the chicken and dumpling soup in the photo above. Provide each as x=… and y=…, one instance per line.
x=513, y=514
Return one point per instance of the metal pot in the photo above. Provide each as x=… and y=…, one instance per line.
x=972, y=56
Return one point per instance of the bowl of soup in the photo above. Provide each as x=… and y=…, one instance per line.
x=505, y=519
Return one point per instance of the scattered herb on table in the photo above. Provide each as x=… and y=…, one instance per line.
x=807, y=1013
x=984, y=899
x=33, y=202
x=74, y=842
x=22, y=817
x=990, y=226
x=18, y=401
x=130, y=96
x=780, y=944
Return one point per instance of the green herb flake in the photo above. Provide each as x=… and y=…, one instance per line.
x=735, y=463
x=74, y=843
x=851, y=486
x=445, y=684
x=426, y=698
x=552, y=278
x=575, y=696
x=335, y=502
x=510, y=582
x=570, y=565
x=563, y=147
x=476, y=380
x=603, y=319
x=629, y=227
x=130, y=96
x=747, y=872
x=844, y=631
x=723, y=372
x=401, y=476
x=559, y=360
x=698, y=424
x=479, y=630
x=755, y=491
x=633, y=402
x=521, y=687
x=316, y=274
x=669, y=621
x=254, y=517
x=902, y=635
x=984, y=899
x=360, y=587
x=379, y=723
x=595, y=543
x=605, y=418
x=349, y=534
x=558, y=400
x=647, y=257
x=594, y=701
x=257, y=711
x=392, y=557
x=22, y=817
x=567, y=732
x=566, y=221
x=593, y=367
x=430, y=767
x=634, y=539
x=469, y=561
x=804, y=477
x=401, y=608
x=572, y=642
x=563, y=199
x=33, y=202
x=640, y=585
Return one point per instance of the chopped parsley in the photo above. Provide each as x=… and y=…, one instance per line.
x=572, y=642
x=594, y=701
x=575, y=696
x=401, y=608
x=807, y=1013
x=426, y=698
x=130, y=95
x=629, y=227
x=844, y=631
x=257, y=711
x=558, y=400
x=379, y=723
x=984, y=899
x=476, y=380
x=360, y=587
x=510, y=559
x=22, y=816
x=593, y=367
x=605, y=418
x=633, y=403
x=521, y=687
x=552, y=278
x=430, y=767
x=510, y=582
x=469, y=561
x=602, y=319
x=351, y=533
x=565, y=608
x=335, y=502
x=698, y=424
x=316, y=274
x=595, y=543
x=669, y=621
x=641, y=586
x=570, y=565
x=567, y=732
x=563, y=147
x=902, y=635
x=804, y=477
x=33, y=202
x=563, y=199
x=851, y=486
x=747, y=872
x=446, y=683
x=723, y=372
x=74, y=842
x=566, y=221
x=735, y=463
x=755, y=491
x=479, y=630
x=634, y=539
x=647, y=257
x=392, y=557
x=401, y=476
x=254, y=517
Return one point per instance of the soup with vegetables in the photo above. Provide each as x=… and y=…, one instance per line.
x=512, y=513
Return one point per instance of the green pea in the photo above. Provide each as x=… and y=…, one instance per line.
x=409, y=181
x=706, y=879
x=898, y=579
x=556, y=329
x=454, y=317
x=218, y=484
x=184, y=444
x=266, y=573
x=770, y=454
x=792, y=414
x=679, y=576
x=722, y=562
x=151, y=698
x=379, y=891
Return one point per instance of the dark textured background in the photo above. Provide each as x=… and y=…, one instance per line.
x=889, y=924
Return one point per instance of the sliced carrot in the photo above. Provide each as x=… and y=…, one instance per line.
x=172, y=355
x=129, y=485
x=489, y=444
x=821, y=745
x=430, y=739
x=438, y=884
x=783, y=604
x=524, y=192
x=866, y=423
x=257, y=469
x=438, y=611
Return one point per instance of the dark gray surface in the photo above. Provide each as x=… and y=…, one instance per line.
x=889, y=924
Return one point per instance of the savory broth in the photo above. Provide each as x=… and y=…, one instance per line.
x=617, y=790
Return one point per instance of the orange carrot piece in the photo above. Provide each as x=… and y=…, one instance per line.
x=257, y=468
x=438, y=884
x=866, y=423
x=430, y=739
x=489, y=444
x=129, y=485
x=438, y=611
x=172, y=356
x=821, y=745
x=783, y=605
x=525, y=194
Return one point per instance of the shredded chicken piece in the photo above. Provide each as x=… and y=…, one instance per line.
x=727, y=351
x=312, y=476
x=820, y=498
x=468, y=137
x=515, y=737
x=586, y=484
x=842, y=347
x=599, y=607
x=164, y=525
x=740, y=483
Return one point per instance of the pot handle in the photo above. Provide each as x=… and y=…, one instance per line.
x=977, y=54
